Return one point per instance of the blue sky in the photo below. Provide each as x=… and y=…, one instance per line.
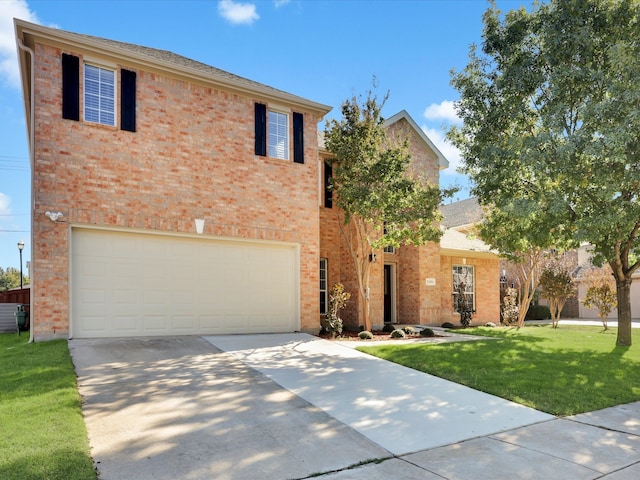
x=326, y=51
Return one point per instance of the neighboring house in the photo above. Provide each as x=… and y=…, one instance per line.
x=584, y=264
x=173, y=198
x=135, y=147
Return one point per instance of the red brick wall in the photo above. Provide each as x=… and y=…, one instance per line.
x=191, y=157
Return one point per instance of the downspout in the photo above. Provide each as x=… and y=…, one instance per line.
x=31, y=136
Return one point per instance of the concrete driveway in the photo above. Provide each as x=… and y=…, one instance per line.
x=291, y=406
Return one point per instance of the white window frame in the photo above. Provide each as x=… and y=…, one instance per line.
x=278, y=134
x=466, y=273
x=324, y=285
x=104, y=111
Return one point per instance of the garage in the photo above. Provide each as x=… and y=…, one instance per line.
x=136, y=284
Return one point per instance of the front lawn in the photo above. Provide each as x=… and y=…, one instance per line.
x=43, y=432
x=566, y=371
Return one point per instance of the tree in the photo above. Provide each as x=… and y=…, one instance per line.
x=558, y=285
x=381, y=201
x=551, y=110
x=515, y=230
x=601, y=293
x=10, y=278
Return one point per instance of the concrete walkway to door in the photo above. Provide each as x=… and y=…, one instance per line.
x=399, y=408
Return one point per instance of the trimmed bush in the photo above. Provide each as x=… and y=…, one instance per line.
x=409, y=330
x=398, y=334
x=365, y=335
x=388, y=328
x=538, y=312
x=448, y=325
x=427, y=332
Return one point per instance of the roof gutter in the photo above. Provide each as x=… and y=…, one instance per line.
x=30, y=113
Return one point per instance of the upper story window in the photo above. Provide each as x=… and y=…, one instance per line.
x=272, y=133
x=328, y=192
x=99, y=95
x=278, y=141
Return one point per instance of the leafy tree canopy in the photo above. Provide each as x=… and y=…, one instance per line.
x=551, y=110
x=10, y=278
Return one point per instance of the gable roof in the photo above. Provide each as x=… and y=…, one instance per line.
x=156, y=59
x=453, y=242
x=462, y=213
x=442, y=161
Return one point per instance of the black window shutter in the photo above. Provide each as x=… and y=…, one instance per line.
x=128, y=100
x=328, y=193
x=298, y=138
x=261, y=129
x=70, y=87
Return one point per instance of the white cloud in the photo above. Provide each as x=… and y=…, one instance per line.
x=238, y=13
x=442, y=111
x=449, y=151
x=281, y=3
x=4, y=204
x=11, y=9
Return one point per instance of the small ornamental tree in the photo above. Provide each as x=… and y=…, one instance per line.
x=338, y=299
x=601, y=293
x=557, y=285
x=381, y=200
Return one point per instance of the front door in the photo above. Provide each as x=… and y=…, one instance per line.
x=388, y=294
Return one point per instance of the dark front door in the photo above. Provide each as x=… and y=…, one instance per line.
x=388, y=295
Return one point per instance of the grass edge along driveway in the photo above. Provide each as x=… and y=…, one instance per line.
x=43, y=432
x=566, y=371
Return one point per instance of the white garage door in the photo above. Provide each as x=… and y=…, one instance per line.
x=126, y=284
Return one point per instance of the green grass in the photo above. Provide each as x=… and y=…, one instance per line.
x=43, y=435
x=565, y=371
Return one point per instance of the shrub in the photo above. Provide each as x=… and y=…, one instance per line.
x=398, y=334
x=409, y=330
x=510, y=307
x=427, y=332
x=538, y=312
x=388, y=328
x=448, y=325
x=365, y=335
x=601, y=293
x=338, y=299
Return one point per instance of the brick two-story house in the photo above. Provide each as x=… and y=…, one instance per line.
x=170, y=197
x=189, y=196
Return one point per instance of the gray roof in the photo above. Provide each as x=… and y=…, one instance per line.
x=454, y=240
x=464, y=212
x=163, y=58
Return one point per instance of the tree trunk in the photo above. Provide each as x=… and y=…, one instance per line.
x=623, y=291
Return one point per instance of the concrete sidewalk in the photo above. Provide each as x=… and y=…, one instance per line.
x=293, y=406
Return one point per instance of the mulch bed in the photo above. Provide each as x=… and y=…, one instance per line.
x=378, y=335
